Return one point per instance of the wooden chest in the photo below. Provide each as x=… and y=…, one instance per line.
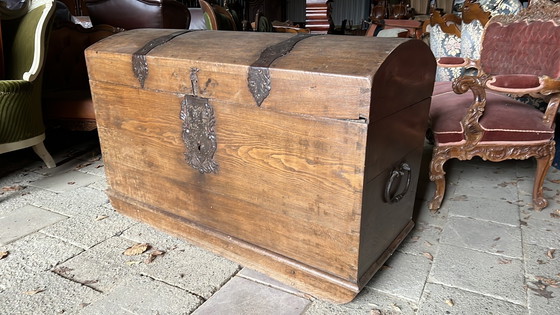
x=295, y=155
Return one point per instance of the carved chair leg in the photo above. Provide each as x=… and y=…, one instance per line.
x=42, y=152
x=437, y=175
x=543, y=164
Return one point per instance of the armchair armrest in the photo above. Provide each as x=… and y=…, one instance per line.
x=14, y=87
x=455, y=62
x=518, y=84
x=472, y=131
x=521, y=84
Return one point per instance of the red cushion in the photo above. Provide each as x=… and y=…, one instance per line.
x=451, y=60
x=504, y=119
x=516, y=81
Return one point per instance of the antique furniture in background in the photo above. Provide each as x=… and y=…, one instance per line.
x=21, y=119
x=66, y=96
x=76, y=7
x=519, y=56
x=132, y=14
x=266, y=165
x=474, y=19
x=318, y=16
x=217, y=17
x=445, y=41
x=274, y=10
x=475, y=15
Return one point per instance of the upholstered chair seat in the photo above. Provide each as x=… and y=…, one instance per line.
x=505, y=119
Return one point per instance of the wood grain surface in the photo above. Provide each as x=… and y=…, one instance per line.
x=299, y=190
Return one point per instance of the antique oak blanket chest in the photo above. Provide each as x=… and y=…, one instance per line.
x=294, y=155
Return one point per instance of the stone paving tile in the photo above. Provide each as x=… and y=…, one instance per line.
x=261, y=278
x=542, y=267
x=368, y=302
x=92, y=166
x=38, y=252
x=439, y=299
x=424, y=238
x=100, y=223
x=526, y=201
x=489, y=209
x=83, y=200
x=422, y=214
x=102, y=267
x=479, y=272
x=402, y=275
x=66, y=181
x=483, y=179
x=21, y=178
x=242, y=296
x=24, y=221
x=542, y=299
x=183, y=265
x=144, y=233
x=10, y=203
x=46, y=293
x=542, y=233
x=542, y=261
x=13, y=273
x=100, y=185
x=550, y=213
x=484, y=236
x=142, y=295
x=476, y=169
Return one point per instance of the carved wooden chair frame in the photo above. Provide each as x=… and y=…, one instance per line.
x=548, y=89
x=473, y=11
x=449, y=23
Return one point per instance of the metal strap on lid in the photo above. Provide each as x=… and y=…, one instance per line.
x=139, y=62
x=259, y=75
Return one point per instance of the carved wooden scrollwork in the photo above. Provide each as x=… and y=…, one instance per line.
x=472, y=131
x=544, y=153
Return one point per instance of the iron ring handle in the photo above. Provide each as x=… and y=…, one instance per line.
x=404, y=169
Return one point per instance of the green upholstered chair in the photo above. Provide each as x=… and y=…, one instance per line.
x=21, y=119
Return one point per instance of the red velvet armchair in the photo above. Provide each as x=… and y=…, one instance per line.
x=520, y=55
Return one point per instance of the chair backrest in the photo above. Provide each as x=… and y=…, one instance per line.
x=531, y=38
x=24, y=57
x=132, y=14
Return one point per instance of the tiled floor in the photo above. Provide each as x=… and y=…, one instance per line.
x=485, y=252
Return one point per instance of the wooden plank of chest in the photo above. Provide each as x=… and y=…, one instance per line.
x=264, y=161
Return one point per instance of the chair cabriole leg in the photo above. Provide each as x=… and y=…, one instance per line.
x=543, y=164
x=437, y=175
x=42, y=152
